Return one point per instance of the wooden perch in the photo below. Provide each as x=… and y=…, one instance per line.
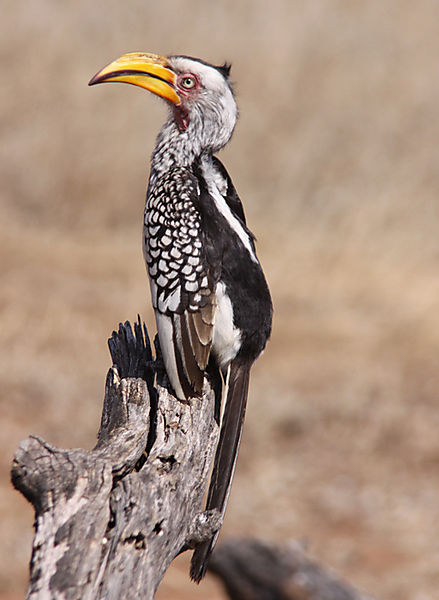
x=258, y=570
x=109, y=521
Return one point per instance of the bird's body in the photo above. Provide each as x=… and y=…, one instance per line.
x=211, y=301
x=203, y=271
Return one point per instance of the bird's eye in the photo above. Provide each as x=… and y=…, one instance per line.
x=187, y=82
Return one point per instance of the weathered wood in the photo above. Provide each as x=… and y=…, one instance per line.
x=258, y=570
x=109, y=521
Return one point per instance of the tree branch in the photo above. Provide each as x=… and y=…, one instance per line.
x=259, y=570
x=109, y=521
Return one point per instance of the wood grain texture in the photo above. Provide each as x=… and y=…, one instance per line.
x=110, y=521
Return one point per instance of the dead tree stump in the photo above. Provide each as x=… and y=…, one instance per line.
x=109, y=521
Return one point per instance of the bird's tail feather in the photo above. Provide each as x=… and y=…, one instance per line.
x=225, y=459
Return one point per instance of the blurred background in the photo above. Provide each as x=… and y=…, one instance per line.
x=336, y=159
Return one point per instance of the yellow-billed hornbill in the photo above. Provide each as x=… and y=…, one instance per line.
x=211, y=301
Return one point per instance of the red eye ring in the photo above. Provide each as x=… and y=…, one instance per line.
x=187, y=81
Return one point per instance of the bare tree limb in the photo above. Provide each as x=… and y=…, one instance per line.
x=110, y=521
x=258, y=570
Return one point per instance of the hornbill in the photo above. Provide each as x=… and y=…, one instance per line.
x=211, y=300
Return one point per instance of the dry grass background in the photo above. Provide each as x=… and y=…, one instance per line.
x=336, y=159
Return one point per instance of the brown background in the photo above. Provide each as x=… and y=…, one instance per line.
x=336, y=159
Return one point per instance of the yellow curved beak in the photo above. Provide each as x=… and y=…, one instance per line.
x=149, y=71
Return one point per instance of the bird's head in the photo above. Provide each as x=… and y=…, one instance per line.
x=199, y=94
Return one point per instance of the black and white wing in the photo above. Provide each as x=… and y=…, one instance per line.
x=182, y=279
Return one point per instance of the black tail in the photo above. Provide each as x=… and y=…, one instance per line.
x=225, y=459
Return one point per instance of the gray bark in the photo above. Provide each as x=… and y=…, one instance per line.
x=109, y=521
x=259, y=570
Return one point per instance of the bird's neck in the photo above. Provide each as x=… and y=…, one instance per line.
x=174, y=149
x=201, y=139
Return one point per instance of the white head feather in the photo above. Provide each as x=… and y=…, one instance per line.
x=211, y=116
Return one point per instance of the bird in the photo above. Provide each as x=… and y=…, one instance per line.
x=211, y=300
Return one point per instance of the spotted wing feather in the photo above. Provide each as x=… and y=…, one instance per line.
x=182, y=279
